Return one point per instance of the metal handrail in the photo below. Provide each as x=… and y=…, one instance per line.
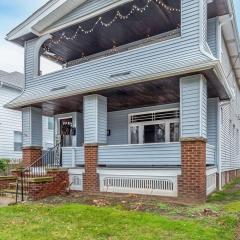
x=38, y=169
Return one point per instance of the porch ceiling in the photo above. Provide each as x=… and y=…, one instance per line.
x=162, y=91
x=217, y=8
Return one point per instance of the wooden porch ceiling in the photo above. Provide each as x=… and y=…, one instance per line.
x=162, y=91
x=217, y=8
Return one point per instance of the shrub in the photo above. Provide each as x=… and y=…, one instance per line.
x=3, y=165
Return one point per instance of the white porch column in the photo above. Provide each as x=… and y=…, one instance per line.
x=95, y=119
x=32, y=134
x=193, y=104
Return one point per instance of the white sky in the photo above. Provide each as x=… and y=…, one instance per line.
x=13, y=12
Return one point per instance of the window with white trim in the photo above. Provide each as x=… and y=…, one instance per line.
x=154, y=127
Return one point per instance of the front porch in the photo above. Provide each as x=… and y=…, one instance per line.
x=154, y=138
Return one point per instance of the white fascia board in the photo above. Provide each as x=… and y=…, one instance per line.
x=27, y=26
x=57, y=14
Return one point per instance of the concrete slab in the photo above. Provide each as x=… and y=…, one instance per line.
x=4, y=202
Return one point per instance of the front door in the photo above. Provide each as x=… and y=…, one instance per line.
x=66, y=126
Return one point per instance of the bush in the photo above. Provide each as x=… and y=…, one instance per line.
x=3, y=165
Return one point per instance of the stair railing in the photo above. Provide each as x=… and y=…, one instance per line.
x=50, y=159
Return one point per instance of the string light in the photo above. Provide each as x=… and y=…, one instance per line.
x=117, y=16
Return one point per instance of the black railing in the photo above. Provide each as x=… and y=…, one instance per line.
x=49, y=159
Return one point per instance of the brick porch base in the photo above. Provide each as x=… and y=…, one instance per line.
x=90, y=177
x=192, y=182
x=30, y=155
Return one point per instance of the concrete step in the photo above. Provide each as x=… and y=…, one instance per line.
x=4, y=201
x=13, y=186
x=10, y=193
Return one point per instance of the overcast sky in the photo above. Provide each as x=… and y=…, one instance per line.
x=13, y=12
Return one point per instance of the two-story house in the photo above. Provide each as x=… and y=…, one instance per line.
x=11, y=86
x=147, y=100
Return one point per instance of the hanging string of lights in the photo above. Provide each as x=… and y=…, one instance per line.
x=118, y=15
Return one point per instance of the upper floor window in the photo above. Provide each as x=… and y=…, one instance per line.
x=131, y=25
x=154, y=127
x=17, y=141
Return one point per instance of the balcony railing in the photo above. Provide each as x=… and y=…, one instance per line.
x=144, y=42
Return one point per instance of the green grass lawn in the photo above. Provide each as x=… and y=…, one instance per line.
x=74, y=221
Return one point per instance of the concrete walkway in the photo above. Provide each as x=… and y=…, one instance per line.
x=4, y=202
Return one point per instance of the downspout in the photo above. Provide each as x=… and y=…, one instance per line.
x=221, y=104
x=229, y=19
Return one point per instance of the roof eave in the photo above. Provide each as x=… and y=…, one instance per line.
x=43, y=16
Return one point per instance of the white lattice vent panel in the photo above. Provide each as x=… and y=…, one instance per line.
x=162, y=186
x=211, y=183
x=76, y=182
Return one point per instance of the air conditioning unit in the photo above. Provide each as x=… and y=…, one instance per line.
x=238, y=116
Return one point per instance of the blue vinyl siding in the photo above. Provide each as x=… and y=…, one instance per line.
x=212, y=121
x=95, y=119
x=140, y=155
x=230, y=146
x=29, y=60
x=212, y=36
x=69, y=154
x=32, y=127
x=26, y=127
x=79, y=129
x=193, y=91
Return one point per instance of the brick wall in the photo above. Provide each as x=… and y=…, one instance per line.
x=229, y=176
x=30, y=155
x=5, y=181
x=192, y=182
x=90, y=177
x=57, y=184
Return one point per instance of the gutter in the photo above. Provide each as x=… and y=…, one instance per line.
x=4, y=84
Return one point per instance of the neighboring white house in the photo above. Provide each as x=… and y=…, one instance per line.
x=11, y=85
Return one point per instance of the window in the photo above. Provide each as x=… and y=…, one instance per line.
x=17, y=141
x=154, y=133
x=50, y=123
x=154, y=127
x=134, y=134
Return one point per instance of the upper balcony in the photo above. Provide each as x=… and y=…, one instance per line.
x=122, y=43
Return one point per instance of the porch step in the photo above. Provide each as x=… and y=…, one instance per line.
x=10, y=193
x=13, y=186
